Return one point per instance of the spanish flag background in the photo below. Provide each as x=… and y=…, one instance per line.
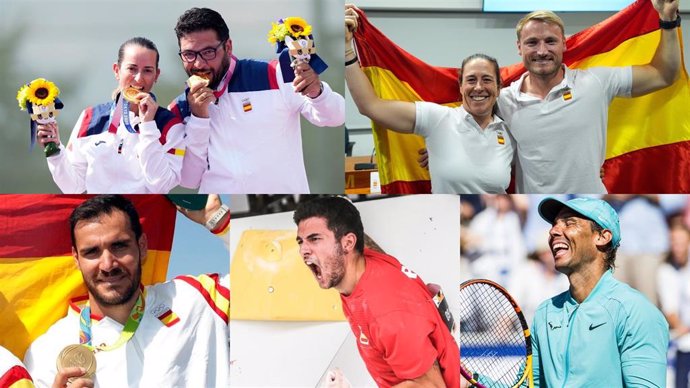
x=648, y=144
x=38, y=274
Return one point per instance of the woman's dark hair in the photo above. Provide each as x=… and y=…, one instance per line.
x=138, y=40
x=485, y=57
x=490, y=59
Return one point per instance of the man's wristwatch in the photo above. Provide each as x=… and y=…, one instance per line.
x=669, y=25
x=217, y=216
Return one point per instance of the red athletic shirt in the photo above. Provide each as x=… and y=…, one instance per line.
x=398, y=330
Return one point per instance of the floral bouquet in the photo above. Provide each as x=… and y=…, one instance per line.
x=39, y=98
x=295, y=44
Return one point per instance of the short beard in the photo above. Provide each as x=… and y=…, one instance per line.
x=339, y=267
x=549, y=74
x=224, y=66
x=118, y=299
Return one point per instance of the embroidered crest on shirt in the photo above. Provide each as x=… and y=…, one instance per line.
x=363, y=338
x=246, y=104
x=500, y=138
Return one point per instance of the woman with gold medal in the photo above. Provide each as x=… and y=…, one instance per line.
x=128, y=145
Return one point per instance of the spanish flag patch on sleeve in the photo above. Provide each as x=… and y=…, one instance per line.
x=169, y=318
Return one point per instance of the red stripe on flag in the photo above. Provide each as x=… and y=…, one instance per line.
x=171, y=323
x=14, y=374
x=637, y=19
x=25, y=218
x=165, y=315
x=660, y=169
x=375, y=49
x=404, y=187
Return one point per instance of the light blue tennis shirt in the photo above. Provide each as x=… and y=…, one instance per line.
x=614, y=338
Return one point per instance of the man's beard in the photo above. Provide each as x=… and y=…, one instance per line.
x=217, y=77
x=339, y=270
x=116, y=300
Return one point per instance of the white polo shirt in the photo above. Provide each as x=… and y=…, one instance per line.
x=463, y=157
x=182, y=340
x=561, y=140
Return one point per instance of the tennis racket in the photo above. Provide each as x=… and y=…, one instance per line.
x=496, y=346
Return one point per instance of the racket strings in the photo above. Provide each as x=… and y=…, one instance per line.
x=491, y=335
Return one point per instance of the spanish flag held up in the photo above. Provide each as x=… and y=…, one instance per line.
x=38, y=274
x=648, y=143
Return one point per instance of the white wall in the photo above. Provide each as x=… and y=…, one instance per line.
x=422, y=231
x=444, y=38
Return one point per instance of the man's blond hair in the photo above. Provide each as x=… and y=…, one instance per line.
x=542, y=16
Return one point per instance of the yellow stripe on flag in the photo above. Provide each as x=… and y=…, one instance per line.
x=396, y=150
x=27, y=314
x=635, y=124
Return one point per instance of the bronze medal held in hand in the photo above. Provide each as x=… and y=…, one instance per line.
x=77, y=356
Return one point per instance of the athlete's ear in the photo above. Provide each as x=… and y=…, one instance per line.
x=76, y=257
x=348, y=242
x=143, y=247
x=603, y=238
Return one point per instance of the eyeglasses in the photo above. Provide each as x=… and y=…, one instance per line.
x=206, y=54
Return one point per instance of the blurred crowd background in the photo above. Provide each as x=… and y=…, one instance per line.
x=504, y=239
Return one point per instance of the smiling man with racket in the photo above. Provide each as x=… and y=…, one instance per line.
x=601, y=332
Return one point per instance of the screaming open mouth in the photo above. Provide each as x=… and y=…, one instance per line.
x=315, y=269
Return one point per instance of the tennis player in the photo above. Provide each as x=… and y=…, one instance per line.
x=601, y=332
x=400, y=335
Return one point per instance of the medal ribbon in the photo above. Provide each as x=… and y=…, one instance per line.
x=116, y=112
x=125, y=117
x=226, y=80
x=127, y=332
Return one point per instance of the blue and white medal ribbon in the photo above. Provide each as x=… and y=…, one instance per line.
x=125, y=116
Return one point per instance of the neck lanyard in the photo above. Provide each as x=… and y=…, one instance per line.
x=127, y=332
x=125, y=117
x=122, y=105
x=226, y=79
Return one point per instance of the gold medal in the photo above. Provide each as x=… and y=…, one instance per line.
x=77, y=356
x=130, y=94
